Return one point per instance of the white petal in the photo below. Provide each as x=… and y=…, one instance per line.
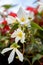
x=40, y=3
x=23, y=38
x=40, y=9
x=10, y=19
x=31, y=15
x=20, y=55
x=2, y=9
x=14, y=34
x=21, y=13
x=6, y=50
x=17, y=39
x=29, y=23
x=18, y=30
x=11, y=56
x=1, y=19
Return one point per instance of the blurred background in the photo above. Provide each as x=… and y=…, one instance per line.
x=18, y=3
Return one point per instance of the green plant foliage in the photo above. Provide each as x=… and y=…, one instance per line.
x=36, y=26
x=7, y=6
x=36, y=57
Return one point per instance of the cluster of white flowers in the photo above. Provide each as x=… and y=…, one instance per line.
x=23, y=18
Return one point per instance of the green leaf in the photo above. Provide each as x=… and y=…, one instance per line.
x=14, y=27
x=7, y=6
x=2, y=45
x=36, y=26
x=40, y=34
x=36, y=57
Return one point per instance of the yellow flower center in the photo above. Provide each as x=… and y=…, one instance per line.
x=22, y=19
x=19, y=34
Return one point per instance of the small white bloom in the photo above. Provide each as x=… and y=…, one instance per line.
x=1, y=19
x=40, y=9
x=12, y=54
x=5, y=13
x=40, y=3
x=30, y=15
x=22, y=17
x=2, y=10
x=19, y=35
x=1, y=13
x=10, y=19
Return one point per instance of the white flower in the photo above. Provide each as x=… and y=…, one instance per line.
x=30, y=15
x=1, y=13
x=40, y=3
x=1, y=19
x=5, y=13
x=2, y=10
x=10, y=19
x=40, y=9
x=12, y=54
x=19, y=35
x=22, y=16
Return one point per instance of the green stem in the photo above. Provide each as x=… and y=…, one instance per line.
x=29, y=62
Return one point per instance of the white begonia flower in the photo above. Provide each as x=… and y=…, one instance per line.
x=22, y=16
x=19, y=35
x=12, y=54
x=10, y=19
x=40, y=9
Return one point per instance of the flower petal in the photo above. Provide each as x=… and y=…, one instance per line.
x=14, y=34
x=6, y=50
x=23, y=38
x=21, y=13
x=2, y=9
x=10, y=19
x=11, y=56
x=17, y=39
x=20, y=55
